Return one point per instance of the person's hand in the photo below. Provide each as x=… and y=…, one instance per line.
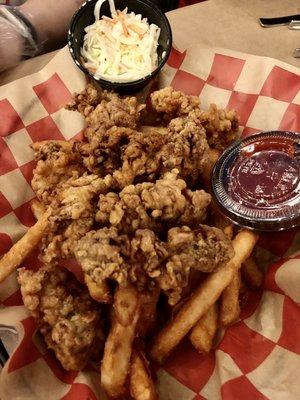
x=11, y=45
x=49, y=20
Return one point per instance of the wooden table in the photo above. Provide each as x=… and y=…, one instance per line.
x=219, y=23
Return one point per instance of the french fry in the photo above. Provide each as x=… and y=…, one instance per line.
x=203, y=333
x=37, y=208
x=20, y=250
x=117, y=351
x=141, y=385
x=202, y=299
x=252, y=274
x=125, y=305
x=98, y=291
x=230, y=307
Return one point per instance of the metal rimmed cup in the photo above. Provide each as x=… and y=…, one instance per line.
x=85, y=17
x=256, y=181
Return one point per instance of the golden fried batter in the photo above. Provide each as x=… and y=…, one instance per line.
x=204, y=250
x=65, y=314
x=72, y=215
x=86, y=101
x=123, y=153
x=75, y=199
x=150, y=205
x=185, y=149
x=116, y=146
x=62, y=236
x=144, y=260
x=101, y=255
x=130, y=156
x=57, y=162
x=103, y=110
x=175, y=103
x=221, y=126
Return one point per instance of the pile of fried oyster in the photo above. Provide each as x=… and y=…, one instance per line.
x=129, y=205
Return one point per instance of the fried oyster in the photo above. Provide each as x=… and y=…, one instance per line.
x=145, y=260
x=221, y=125
x=162, y=203
x=64, y=312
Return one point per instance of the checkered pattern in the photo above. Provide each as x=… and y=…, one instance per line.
x=258, y=358
x=265, y=95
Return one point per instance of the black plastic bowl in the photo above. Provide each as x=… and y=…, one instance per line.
x=85, y=16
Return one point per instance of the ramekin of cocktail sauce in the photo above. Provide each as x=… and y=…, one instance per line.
x=256, y=181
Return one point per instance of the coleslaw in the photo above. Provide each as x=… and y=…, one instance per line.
x=120, y=48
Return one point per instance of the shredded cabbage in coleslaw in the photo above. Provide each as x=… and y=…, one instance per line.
x=122, y=48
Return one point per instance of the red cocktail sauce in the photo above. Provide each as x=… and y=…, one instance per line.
x=256, y=181
x=265, y=175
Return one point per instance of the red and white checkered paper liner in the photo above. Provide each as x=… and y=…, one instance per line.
x=258, y=357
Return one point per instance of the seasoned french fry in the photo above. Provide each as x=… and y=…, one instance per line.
x=66, y=145
x=98, y=291
x=203, y=298
x=204, y=331
x=230, y=307
x=20, y=250
x=117, y=351
x=141, y=385
x=252, y=274
x=125, y=305
x=198, y=304
x=37, y=208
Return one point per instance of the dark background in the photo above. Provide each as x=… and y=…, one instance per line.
x=167, y=5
